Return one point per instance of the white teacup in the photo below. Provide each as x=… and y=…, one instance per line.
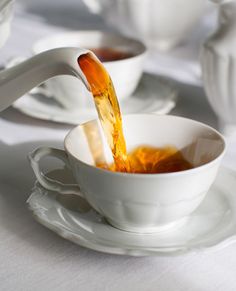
x=125, y=73
x=139, y=202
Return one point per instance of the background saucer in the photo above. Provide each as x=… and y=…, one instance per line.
x=154, y=94
x=211, y=226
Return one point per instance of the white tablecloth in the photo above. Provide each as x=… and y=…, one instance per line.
x=34, y=258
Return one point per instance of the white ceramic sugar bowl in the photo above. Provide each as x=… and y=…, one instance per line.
x=218, y=60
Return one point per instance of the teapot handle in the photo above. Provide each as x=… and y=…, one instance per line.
x=17, y=80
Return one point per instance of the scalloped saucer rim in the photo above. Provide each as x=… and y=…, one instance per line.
x=211, y=227
x=154, y=94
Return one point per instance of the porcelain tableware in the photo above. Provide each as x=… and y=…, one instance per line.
x=153, y=94
x=218, y=61
x=139, y=202
x=124, y=73
x=210, y=227
x=161, y=24
x=19, y=79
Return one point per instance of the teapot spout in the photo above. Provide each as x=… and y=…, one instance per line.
x=18, y=80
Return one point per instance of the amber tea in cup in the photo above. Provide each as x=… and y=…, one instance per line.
x=152, y=160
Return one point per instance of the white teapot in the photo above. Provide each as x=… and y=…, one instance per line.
x=218, y=60
x=17, y=80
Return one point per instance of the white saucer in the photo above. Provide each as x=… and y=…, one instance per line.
x=154, y=94
x=211, y=226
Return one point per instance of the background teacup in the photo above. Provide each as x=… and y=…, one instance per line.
x=125, y=73
x=162, y=24
x=139, y=202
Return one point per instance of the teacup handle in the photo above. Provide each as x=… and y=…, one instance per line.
x=46, y=182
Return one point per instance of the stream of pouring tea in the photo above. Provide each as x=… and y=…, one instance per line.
x=107, y=107
x=143, y=159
